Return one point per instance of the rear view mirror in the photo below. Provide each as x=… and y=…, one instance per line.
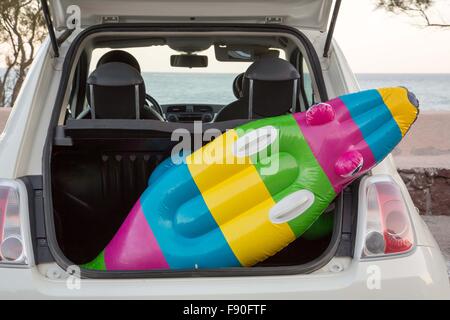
x=189, y=61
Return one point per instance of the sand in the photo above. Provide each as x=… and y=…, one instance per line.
x=427, y=144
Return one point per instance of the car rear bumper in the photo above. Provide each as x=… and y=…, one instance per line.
x=421, y=275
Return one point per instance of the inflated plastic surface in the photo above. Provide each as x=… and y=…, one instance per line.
x=252, y=191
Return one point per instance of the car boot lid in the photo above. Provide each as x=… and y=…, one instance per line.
x=309, y=14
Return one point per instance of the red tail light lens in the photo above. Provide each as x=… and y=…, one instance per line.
x=12, y=248
x=388, y=229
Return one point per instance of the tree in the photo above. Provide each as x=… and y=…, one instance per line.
x=417, y=8
x=21, y=32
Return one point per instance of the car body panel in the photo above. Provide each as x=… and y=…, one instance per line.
x=313, y=14
x=420, y=274
x=22, y=140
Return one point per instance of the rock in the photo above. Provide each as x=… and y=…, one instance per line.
x=445, y=173
x=429, y=189
x=440, y=196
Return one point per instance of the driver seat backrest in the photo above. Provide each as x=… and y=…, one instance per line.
x=116, y=90
x=273, y=87
x=119, y=56
x=270, y=88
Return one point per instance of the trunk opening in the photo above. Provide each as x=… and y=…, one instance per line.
x=96, y=183
x=95, y=170
x=98, y=176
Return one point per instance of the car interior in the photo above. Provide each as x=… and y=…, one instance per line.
x=131, y=98
x=117, y=128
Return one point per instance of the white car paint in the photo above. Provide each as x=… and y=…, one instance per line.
x=417, y=276
x=420, y=274
x=311, y=14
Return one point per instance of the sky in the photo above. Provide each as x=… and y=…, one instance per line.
x=373, y=41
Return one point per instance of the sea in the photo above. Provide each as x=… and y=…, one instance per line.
x=432, y=90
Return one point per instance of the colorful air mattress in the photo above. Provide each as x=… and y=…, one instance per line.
x=252, y=191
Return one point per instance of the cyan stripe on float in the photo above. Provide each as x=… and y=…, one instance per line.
x=162, y=168
x=370, y=120
x=182, y=250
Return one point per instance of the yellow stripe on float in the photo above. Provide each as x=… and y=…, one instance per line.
x=253, y=237
x=238, y=200
x=397, y=101
x=216, y=162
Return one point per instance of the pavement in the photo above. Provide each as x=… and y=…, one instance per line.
x=4, y=114
x=440, y=228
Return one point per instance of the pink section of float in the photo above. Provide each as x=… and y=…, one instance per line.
x=134, y=240
x=338, y=139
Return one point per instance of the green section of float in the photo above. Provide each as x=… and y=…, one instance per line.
x=289, y=166
x=96, y=264
x=322, y=228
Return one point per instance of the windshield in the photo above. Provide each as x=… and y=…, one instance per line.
x=175, y=85
x=191, y=87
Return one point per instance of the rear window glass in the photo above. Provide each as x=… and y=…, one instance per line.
x=172, y=85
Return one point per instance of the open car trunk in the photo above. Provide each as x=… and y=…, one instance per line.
x=95, y=170
x=97, y=176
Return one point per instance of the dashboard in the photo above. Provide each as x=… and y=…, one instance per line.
x=191, y=112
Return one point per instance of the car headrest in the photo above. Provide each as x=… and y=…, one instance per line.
x=238, y=85
x=272, y=86
x=116, y=91
x=119, y=56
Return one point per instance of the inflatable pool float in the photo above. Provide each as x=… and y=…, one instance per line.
x=252, y=191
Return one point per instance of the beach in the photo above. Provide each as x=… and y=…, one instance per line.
x=427, y=145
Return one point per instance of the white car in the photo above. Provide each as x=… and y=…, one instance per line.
x=74, y=155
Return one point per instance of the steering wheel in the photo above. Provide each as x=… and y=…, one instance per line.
x=155, y=105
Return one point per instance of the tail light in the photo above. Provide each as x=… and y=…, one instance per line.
x=387, y=229
x=12, y=245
